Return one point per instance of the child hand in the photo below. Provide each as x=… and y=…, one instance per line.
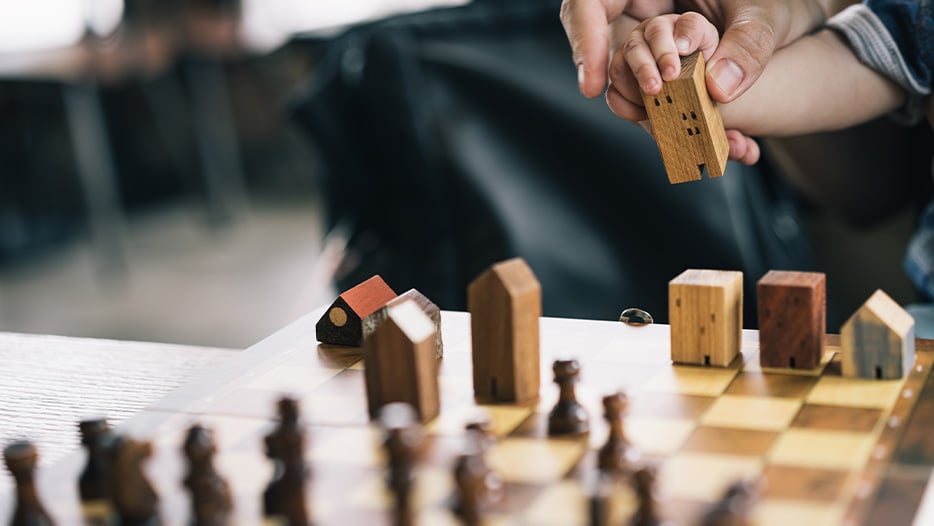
x=651, y=54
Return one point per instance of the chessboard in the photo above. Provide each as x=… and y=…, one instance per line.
x=827, y=449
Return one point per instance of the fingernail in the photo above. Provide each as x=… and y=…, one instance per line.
x=727, y=75
x=682, y=44
x=580, y=76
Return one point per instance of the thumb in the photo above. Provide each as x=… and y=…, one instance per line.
x=745, y=49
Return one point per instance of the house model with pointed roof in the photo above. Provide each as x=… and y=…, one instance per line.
x=878, y=340
x=342, y=323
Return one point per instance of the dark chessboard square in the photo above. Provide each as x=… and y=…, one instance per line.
x=756, y=383
x=837, y=418
x=669, y=405
x=799, y=483
x=897, y=500
x=730, y=441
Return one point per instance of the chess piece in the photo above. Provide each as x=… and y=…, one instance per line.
x=568, y=416
x=285, y=446
x=479, y=442
x=21, y=459
x=617, y=454
x=210, y=495
x=403, y=436
x=469, y=478
x=134, y=499
x=600, y=501
x=643, y=482
x=735, y=508
x=94, y=482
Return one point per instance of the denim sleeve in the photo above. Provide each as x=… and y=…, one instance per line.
x=896, y=38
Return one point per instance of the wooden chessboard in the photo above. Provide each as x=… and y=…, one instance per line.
x=832, y=450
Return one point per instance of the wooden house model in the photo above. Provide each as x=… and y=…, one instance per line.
x=342, y=323
x=878, y=340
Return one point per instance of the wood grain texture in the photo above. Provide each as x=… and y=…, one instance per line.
x=342, y=323
x=878, y=340
x=792, y=319
x=705, y=308
x=505, y=305
x=687, y=124
x=401, y=364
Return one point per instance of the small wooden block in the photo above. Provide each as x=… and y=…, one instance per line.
x=342, y=323
x=505, y=305
x=687, y=124
x=792, y=319
x=878, y=340
x=401, y=364
x=705, y=308
x=428, y=307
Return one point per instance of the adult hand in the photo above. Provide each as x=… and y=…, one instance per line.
x=590, y=26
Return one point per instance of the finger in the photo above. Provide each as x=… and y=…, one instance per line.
x=692, y=31
x=586, y=24
x=744, y=50
x=642, y=63
x=659, y=35
x=623, y=80
x=742, y=148
x=624, y=108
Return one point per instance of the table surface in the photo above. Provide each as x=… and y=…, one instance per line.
x=50, y=382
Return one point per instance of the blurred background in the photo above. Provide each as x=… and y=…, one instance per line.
x=205, y=171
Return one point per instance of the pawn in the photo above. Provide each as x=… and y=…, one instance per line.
x=643, y=482
x=210, y=494
x=600, y=509
x=285, y=446
x=21, y=459
x=134, y=498
x=403, y=436
x=568, y=416
x=618, y=454
x=735, y=508
x=469, y=476
x=94, y=482
x=479, y=441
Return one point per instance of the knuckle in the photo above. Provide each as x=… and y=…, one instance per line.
x=756, y=40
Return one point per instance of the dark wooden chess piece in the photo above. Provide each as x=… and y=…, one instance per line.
x=600, y=501
x=210, y=494
x=469, y=478
x=285, y=495
x=617, y=455
x=21, y=459
x=478, y=442
x=94, y=482
x=643, y=482
x=568, y=416
x=403, y=436
x=735, y=508
x=134, y=499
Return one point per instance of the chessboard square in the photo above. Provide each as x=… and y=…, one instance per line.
x=535, y=461
x=703, y=381
x=669, y=405
x=705, y=476
x=804, y=483
x=730, y=441
x=751, y=412
x=853, y=392
x=334, y=410
x=657, y=436
x=837, y=418
x=503, y=419
x=359, y=446
x=292, y=378
x=822, y=449
x=782, y=513
x=751, y=383
x=559, y=504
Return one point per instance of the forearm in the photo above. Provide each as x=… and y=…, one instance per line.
x=815, y=84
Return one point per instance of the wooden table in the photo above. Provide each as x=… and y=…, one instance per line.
x=48, y=383
x=674, y=413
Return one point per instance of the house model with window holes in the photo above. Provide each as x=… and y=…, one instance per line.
x=687, y=125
